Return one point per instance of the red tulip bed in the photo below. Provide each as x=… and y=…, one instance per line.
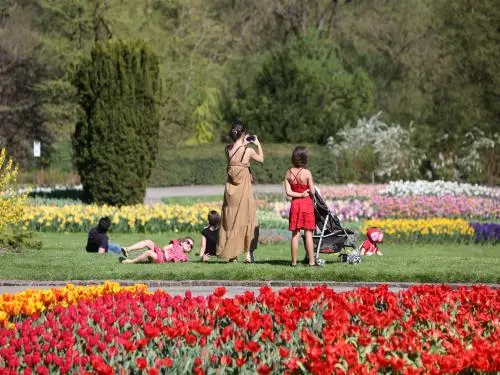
x=422, y=330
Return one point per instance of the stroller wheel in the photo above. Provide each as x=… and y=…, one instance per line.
x=320, y=262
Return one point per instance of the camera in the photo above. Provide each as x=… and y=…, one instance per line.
x=251, y=138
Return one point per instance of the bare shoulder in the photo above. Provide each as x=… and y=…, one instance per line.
x=307, y=172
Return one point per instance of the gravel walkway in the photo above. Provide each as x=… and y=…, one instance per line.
x=206, y=287
x=154, y=194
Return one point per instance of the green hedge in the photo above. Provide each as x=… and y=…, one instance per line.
x=206, y=165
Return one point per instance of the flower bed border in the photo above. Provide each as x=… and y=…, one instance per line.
x=229, y=283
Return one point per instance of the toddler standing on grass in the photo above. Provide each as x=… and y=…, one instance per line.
x=299, y=186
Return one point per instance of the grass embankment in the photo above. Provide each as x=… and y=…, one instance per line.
x=63, y=258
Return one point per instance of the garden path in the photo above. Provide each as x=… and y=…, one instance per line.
x=154, y=194
x=206, y=287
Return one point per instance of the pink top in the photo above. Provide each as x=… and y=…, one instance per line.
x=175, y=253
x=370, y=247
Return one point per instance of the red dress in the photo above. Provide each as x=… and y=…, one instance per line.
x=302, y=209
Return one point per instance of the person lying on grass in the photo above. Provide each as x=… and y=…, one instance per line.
x=98, y=242
x=175, y=251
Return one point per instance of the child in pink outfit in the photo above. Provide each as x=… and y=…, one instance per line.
x=175, y=251
x=369, y=247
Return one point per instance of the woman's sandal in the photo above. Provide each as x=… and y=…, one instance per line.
x=293, y=265
x=313, y=265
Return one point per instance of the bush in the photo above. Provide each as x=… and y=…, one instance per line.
x=11, y=201
x=116, y=137
x=206, y=165
x=377, y=148
x=15, y=239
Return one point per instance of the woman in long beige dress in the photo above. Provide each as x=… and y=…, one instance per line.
x=239, y=226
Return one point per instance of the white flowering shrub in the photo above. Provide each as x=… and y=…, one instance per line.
x=438, y=188
x=391, y=145
x=470, y=161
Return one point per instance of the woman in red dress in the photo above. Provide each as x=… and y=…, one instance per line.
x=299, y=186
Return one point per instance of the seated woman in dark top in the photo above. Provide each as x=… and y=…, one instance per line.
x=209, y=236
x=97, y=241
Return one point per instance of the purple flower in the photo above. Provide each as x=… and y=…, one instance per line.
x=489, y=232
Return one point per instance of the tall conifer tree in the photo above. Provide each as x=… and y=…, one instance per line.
x=116, y=137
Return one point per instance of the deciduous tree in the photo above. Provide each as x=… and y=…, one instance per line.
x=301, y=93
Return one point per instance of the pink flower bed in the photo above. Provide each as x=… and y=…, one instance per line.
x=350, y=190
x=411, y=207
x=428, y=206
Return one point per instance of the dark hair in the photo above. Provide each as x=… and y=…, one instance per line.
x=182, y=240
x=299, y=157
x=238, y=128
x=213, y=219
x=187, y=238
x=104, y=224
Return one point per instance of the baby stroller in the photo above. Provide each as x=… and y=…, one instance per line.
x=330, y=237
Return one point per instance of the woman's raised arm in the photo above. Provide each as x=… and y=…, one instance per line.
x=259, y=154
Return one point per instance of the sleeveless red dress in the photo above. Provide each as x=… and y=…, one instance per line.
x=302, y=209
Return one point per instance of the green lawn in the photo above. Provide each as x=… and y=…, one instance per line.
x=63, y=258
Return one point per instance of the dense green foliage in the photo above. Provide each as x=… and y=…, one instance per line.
x=301, y=93
x=206, y=165
x=116, y=137
x=295, y=71
x=17, y=240
x=21, y=117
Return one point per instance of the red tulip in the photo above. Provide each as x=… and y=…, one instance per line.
x=283, y=351
x=226, y=360
x=167, y=362
x=220, y=291
x=240, y=361
x=141, y=363
x=253, y=347
x=264, y=369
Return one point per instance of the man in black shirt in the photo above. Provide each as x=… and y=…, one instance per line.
x=97, y=241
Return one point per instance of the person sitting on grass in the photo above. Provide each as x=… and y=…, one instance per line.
x=175, y=251
x=97, y=241
x=209, y=236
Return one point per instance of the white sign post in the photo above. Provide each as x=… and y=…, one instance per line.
x=37, y=153
x=37, y=150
